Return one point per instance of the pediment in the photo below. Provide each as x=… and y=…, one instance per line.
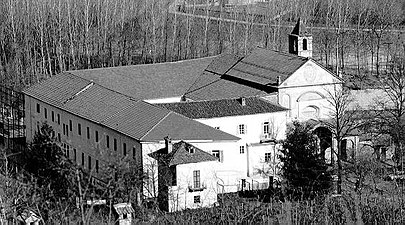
x=310, y=74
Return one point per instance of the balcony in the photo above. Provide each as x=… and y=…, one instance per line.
x=267, y=138
x=195, y=189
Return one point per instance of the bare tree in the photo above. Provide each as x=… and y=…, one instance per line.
x=392, y=107
x=342, y=122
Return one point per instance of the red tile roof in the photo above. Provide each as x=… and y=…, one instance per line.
x=183, y=153
x=134, y=118
x=224, y=107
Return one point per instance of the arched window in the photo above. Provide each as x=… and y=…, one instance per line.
x=310, y=112
x=304, y=44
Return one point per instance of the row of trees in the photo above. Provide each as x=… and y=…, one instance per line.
x=41, y=38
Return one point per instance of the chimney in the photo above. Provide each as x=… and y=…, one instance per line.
x=168, y=144
x=242, y=101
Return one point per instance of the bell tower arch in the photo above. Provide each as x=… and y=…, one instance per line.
x=300, y=41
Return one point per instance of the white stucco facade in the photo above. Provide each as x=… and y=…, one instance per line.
x=247, y=158
x=306, y=91
x=186, y=195
x=227, y=172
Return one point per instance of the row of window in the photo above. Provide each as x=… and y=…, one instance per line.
x=68, y=128
x=242, y=128
x=46, y=114
x=219, y=154
x=67, y=150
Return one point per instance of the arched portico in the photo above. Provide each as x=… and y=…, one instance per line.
x=325, y=142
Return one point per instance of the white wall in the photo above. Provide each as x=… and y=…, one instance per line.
x=234, y=161
x=181, y=198
x=307, y=87
x=229, y=172
x=258, y=168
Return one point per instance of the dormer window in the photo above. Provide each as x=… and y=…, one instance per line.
x=190, y=150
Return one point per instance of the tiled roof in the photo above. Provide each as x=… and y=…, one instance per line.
x=134, y=118
x=179, y=127
x=222, y=108
x=264, y=66
x=299, y=29
x=151, y=81
x=212, y=87
x=183, y=153
x=255, y=74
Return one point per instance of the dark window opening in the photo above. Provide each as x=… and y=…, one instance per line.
x=45, y=113
x=267, y=157
x=96, y=133
x=107, y=138
x=70, y=125
x=133, y=153
x=58, y=118
x=124, y=149
x=88, y=132
x=96, y=166
x=89, y=159
x=79, y=129
x=53, y=116
x=304, y=44
x=74, y=155
x=38, y=108
x=242, y=149
x=173, y=175
x=82, y=159
x=115, y=144
x=197, y=199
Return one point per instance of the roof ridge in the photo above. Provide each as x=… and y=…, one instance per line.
x=207, y=100
x=127, y=96
x=282, y=52
x=144, y=64
x=79, y=92
x=188, y=92
x=154, y=126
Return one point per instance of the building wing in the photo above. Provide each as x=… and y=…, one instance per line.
x=134, y=118
x=223, y=107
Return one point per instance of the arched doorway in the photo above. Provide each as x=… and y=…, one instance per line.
x=324, y=136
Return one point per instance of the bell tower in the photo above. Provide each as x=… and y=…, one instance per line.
x=300, y=41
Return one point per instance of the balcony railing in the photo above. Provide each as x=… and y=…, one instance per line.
x=267, y=138
x=194, y=189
